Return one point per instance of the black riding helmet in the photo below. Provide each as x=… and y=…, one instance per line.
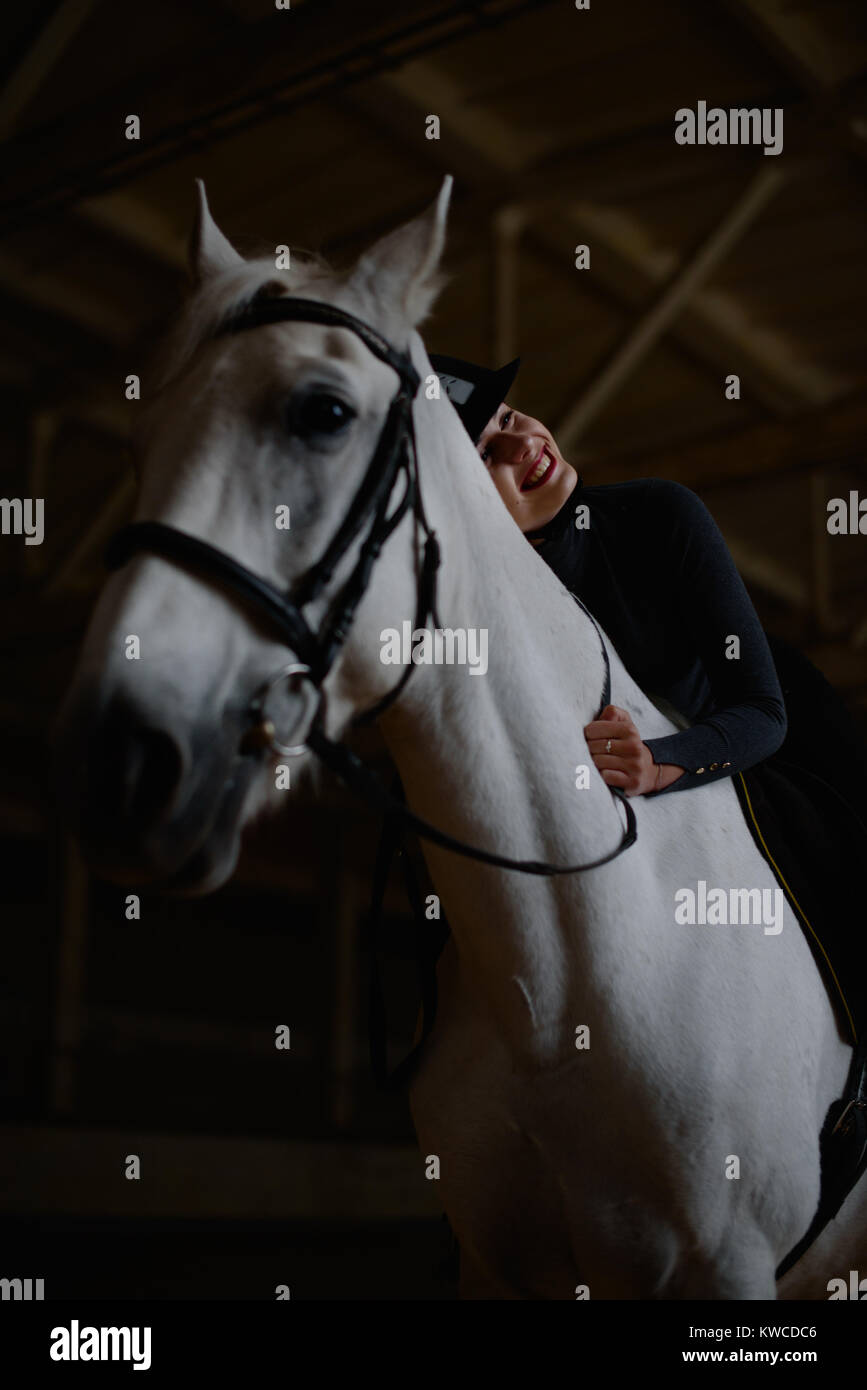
x=475, y=392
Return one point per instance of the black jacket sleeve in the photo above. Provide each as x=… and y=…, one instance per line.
x=747, y=721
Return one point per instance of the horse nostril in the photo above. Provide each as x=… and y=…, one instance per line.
x=135, y=772
x=152, y=772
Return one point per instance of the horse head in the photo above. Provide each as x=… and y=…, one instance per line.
x=255, y=443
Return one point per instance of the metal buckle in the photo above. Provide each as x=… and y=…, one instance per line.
x=846, y=1116
x=263, y=734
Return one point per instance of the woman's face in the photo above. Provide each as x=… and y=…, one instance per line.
x=526, y=467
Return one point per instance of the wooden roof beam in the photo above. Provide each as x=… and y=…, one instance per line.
x=796, y=41
x=832, y=435
x=714, y=328
x=247, y=80
x=139, y=225
x=51, y=41
x=829, y=73
x=643, y=335
x=57, y=293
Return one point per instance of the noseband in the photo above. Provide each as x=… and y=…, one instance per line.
x=316, y=651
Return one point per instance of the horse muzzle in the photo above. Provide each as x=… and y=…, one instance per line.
x=146, y=801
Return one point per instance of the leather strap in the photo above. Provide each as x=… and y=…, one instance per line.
x=271, y=309
x=192, y=553
x=353, y=772
x=842, y=1151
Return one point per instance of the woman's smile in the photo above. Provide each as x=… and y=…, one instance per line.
x=526, y=467
x=541, y=472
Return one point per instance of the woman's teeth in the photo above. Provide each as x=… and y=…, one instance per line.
x=539, y=471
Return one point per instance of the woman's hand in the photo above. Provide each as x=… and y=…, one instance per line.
x=629, y=763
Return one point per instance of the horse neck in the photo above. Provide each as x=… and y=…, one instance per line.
x=492, y=758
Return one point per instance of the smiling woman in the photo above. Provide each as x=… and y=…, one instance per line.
x=528, y=470
x=670, y=610
x=526, y=467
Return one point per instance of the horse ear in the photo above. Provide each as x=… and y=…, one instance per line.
x=403, y=267
x=210, y=251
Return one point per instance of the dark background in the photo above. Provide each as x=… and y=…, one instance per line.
x=156, y=1037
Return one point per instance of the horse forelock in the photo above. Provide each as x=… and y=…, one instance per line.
x=222, y=296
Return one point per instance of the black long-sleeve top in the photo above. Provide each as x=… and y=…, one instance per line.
x=653, y=568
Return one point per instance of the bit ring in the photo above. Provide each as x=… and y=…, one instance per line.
x=263, y=733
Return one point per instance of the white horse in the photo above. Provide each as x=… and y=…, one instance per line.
x=676, y=1156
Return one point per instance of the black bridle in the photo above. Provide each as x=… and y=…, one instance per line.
x=395, y=453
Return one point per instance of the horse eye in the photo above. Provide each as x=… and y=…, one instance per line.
x=319, y=413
